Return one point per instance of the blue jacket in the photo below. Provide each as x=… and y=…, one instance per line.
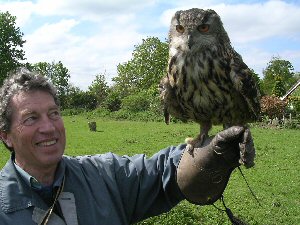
x=99, y=189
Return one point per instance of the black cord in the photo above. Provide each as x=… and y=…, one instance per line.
x=250, y=189
x=234, y=220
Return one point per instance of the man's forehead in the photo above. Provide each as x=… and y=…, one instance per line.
x=27, y=101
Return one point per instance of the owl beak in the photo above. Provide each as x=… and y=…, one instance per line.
x=190, y=41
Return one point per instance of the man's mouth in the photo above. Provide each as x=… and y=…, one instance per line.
x=47, y=143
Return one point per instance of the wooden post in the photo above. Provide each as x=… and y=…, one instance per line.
x=92, y=126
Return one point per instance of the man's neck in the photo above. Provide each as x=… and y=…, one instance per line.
x=44, y=175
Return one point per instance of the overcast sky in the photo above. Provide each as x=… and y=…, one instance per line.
x=94, y=36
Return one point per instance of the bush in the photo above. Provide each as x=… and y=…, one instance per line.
x=112, y=101
x=136, y=103
x=81, y=99
x=121, y=115
x=294, y=104
x=73, y=112
x=291, y=124
x=136, y=116
x=99, y=112
x=272, y=106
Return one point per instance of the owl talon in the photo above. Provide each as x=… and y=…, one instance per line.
x=190, y=145
x=190, y=149
x=193, y=143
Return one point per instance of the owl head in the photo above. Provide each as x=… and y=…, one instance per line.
x=196, y=29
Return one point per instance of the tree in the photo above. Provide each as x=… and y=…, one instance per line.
x=278, y=67
x=294, y=99
x=294, y=104
x=145, y=69
x=258, y=80
x=137, y=102
x=278, y=89
x=59, y=76
x=99, y=89
x=78, y=99
x=113, y=99
x=138, y=77
x=11, y=43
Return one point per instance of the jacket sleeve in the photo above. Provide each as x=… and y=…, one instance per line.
x=142, y=187
x=154, y=182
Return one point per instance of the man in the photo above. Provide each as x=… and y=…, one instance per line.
x=39, y=185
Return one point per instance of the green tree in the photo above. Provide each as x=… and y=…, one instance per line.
x=78, y=99
x=278, y=89
x=113, y=100
x=294, y=99
x=11, y=43
x=278, y=67
x=138, y=77
x=99, y=89
x=71, y=95
x=59, y=76
x=137, y=102
x=258, y=80
x=145, y=69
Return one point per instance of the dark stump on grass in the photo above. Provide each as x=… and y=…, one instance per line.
x=92, y=126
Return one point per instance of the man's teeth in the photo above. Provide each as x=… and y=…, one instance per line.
x=47, y=143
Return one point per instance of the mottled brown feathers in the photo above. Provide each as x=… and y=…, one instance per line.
x=207, y=81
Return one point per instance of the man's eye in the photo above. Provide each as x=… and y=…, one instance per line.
x=29, y=120
x=55, y=114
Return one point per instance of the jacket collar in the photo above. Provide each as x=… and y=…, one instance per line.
x=15, y=194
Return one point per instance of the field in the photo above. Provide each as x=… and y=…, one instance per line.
x=275, y=179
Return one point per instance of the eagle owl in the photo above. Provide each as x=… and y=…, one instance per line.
x=207, y=80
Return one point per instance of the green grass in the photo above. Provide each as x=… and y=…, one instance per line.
x=274, y=179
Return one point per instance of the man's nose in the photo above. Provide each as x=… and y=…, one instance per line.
x=46, y=125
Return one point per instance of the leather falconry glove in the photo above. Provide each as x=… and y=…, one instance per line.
x=203, y=175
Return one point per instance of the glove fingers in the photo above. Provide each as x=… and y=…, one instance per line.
x=237, y=141
x=228, y=135
x=247, y=150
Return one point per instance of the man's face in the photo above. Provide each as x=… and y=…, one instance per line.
x=37, y=132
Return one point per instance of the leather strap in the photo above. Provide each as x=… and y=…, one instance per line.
x=47, y=215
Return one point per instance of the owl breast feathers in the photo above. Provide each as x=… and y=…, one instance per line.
x=207, y=80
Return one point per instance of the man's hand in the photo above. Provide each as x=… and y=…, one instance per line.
x=202, y=176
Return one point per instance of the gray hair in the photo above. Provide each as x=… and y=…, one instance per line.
x=21, y=80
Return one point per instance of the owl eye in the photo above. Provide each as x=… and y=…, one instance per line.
x=203, y=28
x=180, y=28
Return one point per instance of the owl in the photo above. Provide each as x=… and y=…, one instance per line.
x=207, y=81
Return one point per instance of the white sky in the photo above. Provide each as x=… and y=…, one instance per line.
x=94, y=36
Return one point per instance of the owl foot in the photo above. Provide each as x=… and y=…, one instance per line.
x=195, y=142
x=189, y=147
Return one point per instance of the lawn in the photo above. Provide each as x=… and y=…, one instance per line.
x=275, y=178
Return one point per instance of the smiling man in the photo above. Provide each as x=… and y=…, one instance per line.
x=37, y=134
x=40, y=185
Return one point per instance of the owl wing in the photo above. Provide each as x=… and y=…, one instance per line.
x=171, y=105
x=245, y=83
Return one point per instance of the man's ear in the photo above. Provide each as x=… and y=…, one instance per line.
x=5, y=138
